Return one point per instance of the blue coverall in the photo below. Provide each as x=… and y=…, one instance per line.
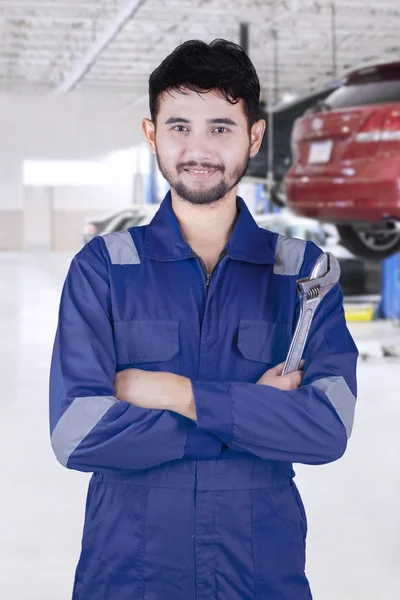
x=206, y=510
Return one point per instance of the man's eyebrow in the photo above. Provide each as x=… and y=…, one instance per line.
x=172, y=120
x=219, y=121
x=223, y=120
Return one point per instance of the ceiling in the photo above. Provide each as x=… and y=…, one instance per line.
x=112, y=45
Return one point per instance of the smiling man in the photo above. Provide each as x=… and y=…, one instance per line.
x=186, y=162
x=166, y=372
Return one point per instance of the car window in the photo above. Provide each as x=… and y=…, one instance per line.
x=369, y=91
x=104, y=221
x=272, y=226
x=130, y=222
x=277, y=228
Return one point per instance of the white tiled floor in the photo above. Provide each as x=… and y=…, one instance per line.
x=352, y=505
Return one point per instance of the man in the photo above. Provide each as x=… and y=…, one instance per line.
x=166, y=373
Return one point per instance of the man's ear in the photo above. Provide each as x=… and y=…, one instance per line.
x=150, y=133
x=256, y=136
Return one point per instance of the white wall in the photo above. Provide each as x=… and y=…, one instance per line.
x=51, y=127
x=72, y=127
x=38, y=217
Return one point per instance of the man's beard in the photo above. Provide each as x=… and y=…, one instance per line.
x=207, y=195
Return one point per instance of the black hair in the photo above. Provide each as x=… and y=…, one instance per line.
x=202, y=67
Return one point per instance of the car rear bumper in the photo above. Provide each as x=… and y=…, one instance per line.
x=339, y=199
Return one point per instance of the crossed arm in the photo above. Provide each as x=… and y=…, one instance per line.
x=167, y=391
x=100, y=420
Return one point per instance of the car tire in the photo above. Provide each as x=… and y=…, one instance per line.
x=354, y=240
x=353, y=276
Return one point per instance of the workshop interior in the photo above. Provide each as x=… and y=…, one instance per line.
x=75, y=165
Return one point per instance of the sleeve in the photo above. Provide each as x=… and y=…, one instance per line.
x=310, y=425
x=90, y=429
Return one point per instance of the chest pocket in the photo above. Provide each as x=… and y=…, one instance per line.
x=260, y=346
x=148, y=345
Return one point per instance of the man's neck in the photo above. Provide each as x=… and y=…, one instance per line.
x=207, y=229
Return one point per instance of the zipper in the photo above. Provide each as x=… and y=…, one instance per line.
x=208, y=275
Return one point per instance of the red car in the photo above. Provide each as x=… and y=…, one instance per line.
x=346, y=161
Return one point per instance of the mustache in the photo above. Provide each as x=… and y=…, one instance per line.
x=204, y=165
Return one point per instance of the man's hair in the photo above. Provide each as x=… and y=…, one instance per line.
x=201, y=67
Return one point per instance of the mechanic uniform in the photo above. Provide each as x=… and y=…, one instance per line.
x=206, y=510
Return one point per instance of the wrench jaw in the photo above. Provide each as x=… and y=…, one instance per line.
x=332, y=272
x=323, y=278
x=327, y=268
x=321, y=267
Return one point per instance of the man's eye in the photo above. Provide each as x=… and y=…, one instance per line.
x=221, y=129
x=180, y=128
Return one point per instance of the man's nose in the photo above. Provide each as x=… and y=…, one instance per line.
x=199, y=149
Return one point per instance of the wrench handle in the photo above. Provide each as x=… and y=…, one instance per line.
x=296, y=349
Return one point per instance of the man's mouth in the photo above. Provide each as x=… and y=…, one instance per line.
x=200, y=174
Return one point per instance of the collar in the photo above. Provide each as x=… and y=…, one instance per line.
x=164, y=241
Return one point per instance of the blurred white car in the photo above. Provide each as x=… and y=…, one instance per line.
x=357, y=277
x=137, y=214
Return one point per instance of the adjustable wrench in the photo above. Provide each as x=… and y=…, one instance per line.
x=324, y=276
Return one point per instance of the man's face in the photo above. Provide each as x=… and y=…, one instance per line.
x=202, y=143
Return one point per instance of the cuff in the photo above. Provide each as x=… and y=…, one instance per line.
x=214, y=408
x=201, y=445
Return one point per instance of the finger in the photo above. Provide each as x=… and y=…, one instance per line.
x=279, y=368
x=294, y=379
x=298, y=378
x=276, y=370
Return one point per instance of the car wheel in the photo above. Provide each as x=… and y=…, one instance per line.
x=353, y=277
x=278, y=194
x=373, y=242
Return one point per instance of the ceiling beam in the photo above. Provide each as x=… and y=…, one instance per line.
x=79, y=71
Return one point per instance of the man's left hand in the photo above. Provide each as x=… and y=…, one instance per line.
x=156, y=390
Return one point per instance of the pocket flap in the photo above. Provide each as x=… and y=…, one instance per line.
x=146, y=341
x=264, y=341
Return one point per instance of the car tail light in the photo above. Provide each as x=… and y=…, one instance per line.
x=89, y=229
x=380, y=127
x=391, y=127
x=371, y=131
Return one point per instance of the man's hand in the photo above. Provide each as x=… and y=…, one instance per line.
x=156, y=390
x=288, y=382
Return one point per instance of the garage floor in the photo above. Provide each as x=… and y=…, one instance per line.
x=352, y=505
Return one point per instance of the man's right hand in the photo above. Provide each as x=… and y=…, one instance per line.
x=274, y=378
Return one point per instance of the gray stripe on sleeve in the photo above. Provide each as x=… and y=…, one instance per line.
x=343, y=401
x=121, y=248
x=289, y=255
x=76, y=423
